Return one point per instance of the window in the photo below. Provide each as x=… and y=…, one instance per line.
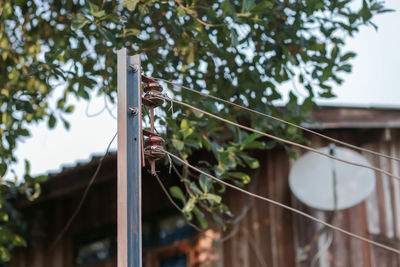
x=163, y=231
x=172, y=229
x=95, y=251
x=95, y=246
x=168, y=241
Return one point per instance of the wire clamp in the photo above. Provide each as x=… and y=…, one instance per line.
x=154, y=148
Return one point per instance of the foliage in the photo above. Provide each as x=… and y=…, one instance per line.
x=12, y=225
x=238, y=50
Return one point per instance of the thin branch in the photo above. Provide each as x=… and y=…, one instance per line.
x=83, y=198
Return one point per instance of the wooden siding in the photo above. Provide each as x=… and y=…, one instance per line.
x=271, y=236
x=266, y=236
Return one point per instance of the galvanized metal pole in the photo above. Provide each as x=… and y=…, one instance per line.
x=129, y=161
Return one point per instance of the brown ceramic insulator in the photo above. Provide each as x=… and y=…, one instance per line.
x=148, y=79
x=153, y=147
x=154, y=152
x=154, y=86
x=148, y=133
x=153, y=99
x=154, y=141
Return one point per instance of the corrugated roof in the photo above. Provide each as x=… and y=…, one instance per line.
x=71, y=168
x=329, y=117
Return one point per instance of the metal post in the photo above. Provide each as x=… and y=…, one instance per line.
x=129, y=161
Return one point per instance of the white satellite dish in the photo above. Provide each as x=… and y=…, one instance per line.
x=311, y=179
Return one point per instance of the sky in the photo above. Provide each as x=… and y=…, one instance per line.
x=374, y=82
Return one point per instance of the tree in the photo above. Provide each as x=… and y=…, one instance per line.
x=238, y=50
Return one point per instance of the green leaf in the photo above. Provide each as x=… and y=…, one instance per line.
x=7, y=119
x=190, y=204
x=61, y=103
x=347, y=56
x=181, y=11
x=200, y=217
x=224, y=209
x=178, y=144
x=19, y=241
x=205, y=183
x=213, y=197
x=3, y=216
x=41, y=178
x=219, y=220
x=69, y=109
x=291, y=152
x=3, y=169
x=131, y=32
x=227, y=8
x=191, y=56
x=222, y=188
x=187, y=132
x=251, y=162
x=143, y=10
x=176, y=192
x=197, y=113
x=255, y=145
x=345, y=68
x=249, y=5
x=334, y=53
x=107, y=35
x=95, y=12
x=66, y=123
x=23, y=132
x=4, y=254
x=37, y=192
x=130, y=4
x=25, y=106
x=195, y=189
x=79, y=22
x=326, y=95
x=184, y=124
x=219, y=170
x=251, y=137
x=234, y=38
x=260, y=7
x=27, y=167
x=52, y=121
x=98, y=14
x=82, y=93
x=243, y=176
x=365, y=12
x=186, y=129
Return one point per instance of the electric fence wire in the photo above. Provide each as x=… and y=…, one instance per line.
x=222, y=239
x=281, y=139
x=276, y=203
x=279, y=119
x=235, y=221
x=83, y=198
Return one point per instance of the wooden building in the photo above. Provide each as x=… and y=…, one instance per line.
x=265, y=236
